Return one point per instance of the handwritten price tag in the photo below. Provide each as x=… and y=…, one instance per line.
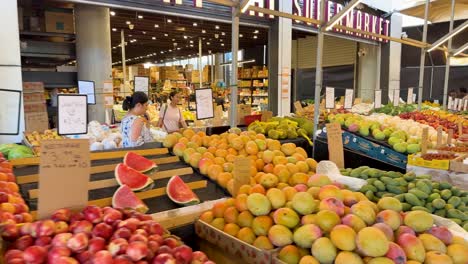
x=335, y=144
x=378, y=99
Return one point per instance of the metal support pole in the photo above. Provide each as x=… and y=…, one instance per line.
x=318, y=69
x=449, y=55
x=200, y=70
x=212, y=68
x=235, y=48
x=379, y=62
x=124, y=63
x=423, y=57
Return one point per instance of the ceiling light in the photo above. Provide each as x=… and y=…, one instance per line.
x=220, y=40
x=165, y=34
x=144, y=32
x=254, y=37
x=170, y=50
x=240, y=35
x=173, y=39
x=112, y=13
x=114, y=47
x=191, y=41
x=153, y=38
x=207, y=43
x=185, y=37
x=203, y=31
x=191, y=45
x=256, y=31
x=169, y=21
x=114, y=29
x=222, y=44
x=162, y=52
x=216, y=35
x=222, y=33
x=178, y=48
x=140, y=17
x=216, y=27
x=130, y=35
x=156, y=25
x=128, y=22
x=195, y=24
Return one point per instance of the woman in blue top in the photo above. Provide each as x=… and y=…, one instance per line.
x=135, y=126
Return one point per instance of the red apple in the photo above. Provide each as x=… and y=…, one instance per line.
x=43, y=241
x=57, y=252
x=18, y=218
x=13, y=254
x=25, y=229
x=153, y=246
x=23, y=242
x=35, y=255
x=137, y=250
x=93, y=214
x=165, y=249
x=96, y=244
x=102, y=230
x=84, y=257
x=117, y=246
x=122, y=233
x=102, y=257
x=156, y=238
x=61, y=227
x=78, y=216
x=60, y=240
x=152, y=227
x=9, y=232
x=171, y=242
x=78, y=242
x=63, y=214
x=141, y=232
x=122, y=259
x=130, y=223
x=111, y=215
x=45, y=228
x=64, y=260
x=183, y=254
x=138, y=237
x=82, y=226
x=199, y=257
x=164, y=259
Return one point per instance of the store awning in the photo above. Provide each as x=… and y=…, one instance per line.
x=439, y=10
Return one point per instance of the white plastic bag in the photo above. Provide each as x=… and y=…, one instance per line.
x=330, y=169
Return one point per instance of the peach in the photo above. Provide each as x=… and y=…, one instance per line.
x=246, y=234
x=327, y=219
x=245, y=219
x=102, y=230
x=372, y=242
x=60, y=240
x=458, y=253
x=261, y=225
x=111, y=216
x=103, y=257
x=137, y=250
x=364, y=212
x=389, y=217
x=436, y=257
x=23, y=242
x=96, y=244
x=122, y=233
x=45, y=228
x=241, y=202
x=117, y=246
x=286, y=217
x=289, y=254
x=78, y=242
x=280, y=235
x=314, y=191
x=413, y=247
x=93, y=214
x=57, y=252
x=61, y=227
x=83, y=226
x=396, y=253
x=231, y=229
x=353, y=221
x=218, y=209
x=431, y=243
x=301, y=187
x=442, y=233
x=35, y=254
x=386, y=229
x=183, y=254
x=332, y=204
x=343, y=237
x=262, y=242
x=305, y=235
x=277, y=198
x=324, y=250
x=43, y=241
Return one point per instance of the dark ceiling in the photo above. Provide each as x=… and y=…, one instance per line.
x=157, y=38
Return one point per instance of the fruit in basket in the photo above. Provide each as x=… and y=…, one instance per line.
x=124, y=198
x=132, y=178
x=138, y=162
x=179, y=192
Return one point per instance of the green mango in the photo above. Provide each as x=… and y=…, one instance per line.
x=412, y=199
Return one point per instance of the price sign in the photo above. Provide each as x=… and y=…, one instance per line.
x=329, y=98
x=460, y=104
x=409, y=100
x=348, y=101
x=335, y=144
x=141, y=84
x=87, y=88
x=63, y=175
x=465, y=105
x=108, y=87
x=241, y=173
x=378, y=99
x=455, y=104
x=298, y=106
x=72, y=114
x=450, y=103
x=10, y=110
x=396, y=97
x=204, y=102
x=425, y=134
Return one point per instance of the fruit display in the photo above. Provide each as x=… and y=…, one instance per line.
x=439, y=118
x=323, y=223
x=391, y=110
x=414, y=192
x=403, y=138
x=125, y=198
x=98, y=235
x=438, y=156
x=457, y=149
x=138, y=162
x=284, y=128
x=34, y=138
x=15, y=151
x=102, y=138
x=13, y=209
x=272, y=162
x=131, y=177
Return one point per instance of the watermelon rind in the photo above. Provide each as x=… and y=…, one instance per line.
x=183, y=187
x=145, y=181
x=139, y=164
x=130, y=201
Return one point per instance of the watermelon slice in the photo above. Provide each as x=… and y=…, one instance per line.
x=134, y=179
x=124, y=198
x=138, y=162
x=180, y=193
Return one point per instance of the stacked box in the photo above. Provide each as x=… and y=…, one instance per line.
x=35, y=110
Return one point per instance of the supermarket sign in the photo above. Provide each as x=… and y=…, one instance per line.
x=355, y=19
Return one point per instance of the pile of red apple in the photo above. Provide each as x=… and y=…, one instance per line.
x=13, y=209
x=98, y=236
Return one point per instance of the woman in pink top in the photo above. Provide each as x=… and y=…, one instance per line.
x=170, y=116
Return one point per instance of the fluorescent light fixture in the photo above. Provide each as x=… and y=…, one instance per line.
x=461, y=49
x=244, y=5
x=449, y=35
x=203, y=31
x=112, y=13
x=153, y=38
x=128, y=22
x=239, y=62
x=216, y=27
x=256, y=31
x=335, y=19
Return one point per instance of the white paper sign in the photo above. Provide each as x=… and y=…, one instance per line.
x=455, y=104
x=141, y=84
x=409, y=100
x=450, y=103
x=390, y=95
x=436, y=101
x=465, y=107
x=72, y=114
x=378, y=99
x=329, y=98
x=10, y=108
x=87, y=88
x=204, y=102
x=348, y=102
x=108, y=87
x=396, y=97
x=460, y=104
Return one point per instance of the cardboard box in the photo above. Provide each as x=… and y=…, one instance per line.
x=193, y=76
x=457, y=165
x=60, y=21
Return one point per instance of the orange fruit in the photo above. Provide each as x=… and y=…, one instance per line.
x=3, y=176
x=13, y=186
x=8, y=207
x=27, y=217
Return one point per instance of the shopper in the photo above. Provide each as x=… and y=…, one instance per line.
x=135, y=125
x=220, y=100
x=170, y=116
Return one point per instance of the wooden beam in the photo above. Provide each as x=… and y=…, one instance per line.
x=223, y=2
x=94, y=170
x=282, y=14
x=98, y=156
x=94, y=185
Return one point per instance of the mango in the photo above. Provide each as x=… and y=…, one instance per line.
x=413, y=247
x=364, y=212
x=327, y=219
x=261, y=225
x=258, y=204
x=346, y=257
x=289, y=254
x=386, y=229
x=305, y=235
x=431, y=243
x=245, y=219
x=332, y=204
x=262, y=242
x=286, y=217
x=372, y=242
x=280, y=235
x=308, y=260
x=458, y=253
x=247, y=235
x=353, y=221
x=436, y=257
x=330, y=191
x=380, y=260
x=396, y=253
x=343, y=237
x=389, y=203
x=231, y=229
x=276, y=197
x=419, y=221
x=304, y=203
x=389, y=217
x=324, y=250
